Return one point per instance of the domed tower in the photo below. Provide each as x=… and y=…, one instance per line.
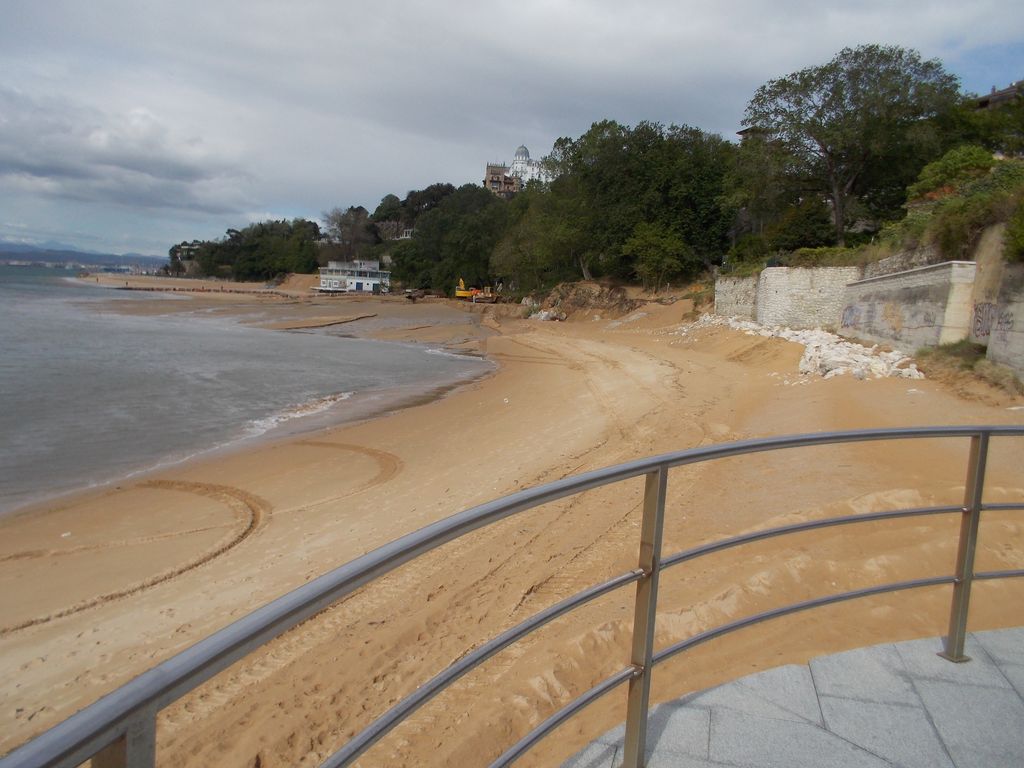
x=522, y=166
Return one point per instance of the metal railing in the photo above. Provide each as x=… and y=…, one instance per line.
x=119, y=730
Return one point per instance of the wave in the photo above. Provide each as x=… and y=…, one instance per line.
x=456, y=355
x=310, y=408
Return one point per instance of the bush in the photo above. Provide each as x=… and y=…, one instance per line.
x=1014, y=249
x=749, y=249
x=963, y=358
x=950, y=171
x=828, y=256
x=959, y=220
x=807, y=225
x=910, y=232
x=963, y=354
x=999, y=376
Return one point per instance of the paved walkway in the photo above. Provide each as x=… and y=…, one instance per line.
x=888, y=705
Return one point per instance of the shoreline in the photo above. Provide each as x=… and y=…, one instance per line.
x=385, y=402
x=229, y=534
x=292, y=422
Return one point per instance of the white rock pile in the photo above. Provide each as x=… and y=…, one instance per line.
x=825, y=354
x=547, y=314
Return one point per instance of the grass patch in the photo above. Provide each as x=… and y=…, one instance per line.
x=960, y=354
x=702, y=294
x=999, y=376
x=828, y=256
x=964, y=361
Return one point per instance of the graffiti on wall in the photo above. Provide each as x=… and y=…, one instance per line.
x=892, y=313
x=851, y=316
x=985, y=316
x=988, y=319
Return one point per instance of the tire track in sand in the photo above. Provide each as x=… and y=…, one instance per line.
x=434, y=636
x=388, y=465
x=34, y=554
x=250, y=509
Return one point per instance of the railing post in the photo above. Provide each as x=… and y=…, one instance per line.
x=644, y=613
x=954, y=645
x=135, y=749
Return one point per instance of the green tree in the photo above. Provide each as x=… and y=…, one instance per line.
x=860, y=111
x=658, y=254
x=175, y=266
x=420, y=201
x=453, y=239
x=999, y=128
x=758, y=185
x=350, y=231
x=804, y=225
x=541, y=242
x=389, y=209
x=261, y=251
x=615, y=177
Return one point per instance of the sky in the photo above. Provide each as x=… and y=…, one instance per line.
x=129, y=126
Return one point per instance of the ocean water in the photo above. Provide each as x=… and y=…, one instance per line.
x=88, y=395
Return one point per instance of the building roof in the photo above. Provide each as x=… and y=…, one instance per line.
x=1002, y=96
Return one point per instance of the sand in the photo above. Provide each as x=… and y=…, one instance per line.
x=98, y=587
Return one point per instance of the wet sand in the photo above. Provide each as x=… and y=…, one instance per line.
x=98, y=587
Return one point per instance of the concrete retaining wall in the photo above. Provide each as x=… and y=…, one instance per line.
x=803, y=298
x=1006, y=339
x=987, y=279
x=921, y=307
x=736, y=297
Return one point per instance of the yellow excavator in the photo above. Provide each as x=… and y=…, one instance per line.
x=476, y=295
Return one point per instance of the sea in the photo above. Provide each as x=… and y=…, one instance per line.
x=89, y=395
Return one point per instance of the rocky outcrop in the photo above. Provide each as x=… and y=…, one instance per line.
x=587, y=296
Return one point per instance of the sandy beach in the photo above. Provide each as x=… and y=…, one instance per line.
x=97, y=587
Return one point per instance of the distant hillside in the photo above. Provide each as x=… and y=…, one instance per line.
x=58, y=252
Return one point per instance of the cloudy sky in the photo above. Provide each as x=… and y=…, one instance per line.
x=132, y=125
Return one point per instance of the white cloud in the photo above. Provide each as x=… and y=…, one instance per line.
x=60, y=148
x=162, y=116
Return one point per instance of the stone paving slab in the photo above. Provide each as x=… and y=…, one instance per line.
x=888, y=705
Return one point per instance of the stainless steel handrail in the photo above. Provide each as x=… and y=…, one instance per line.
x=120, y=729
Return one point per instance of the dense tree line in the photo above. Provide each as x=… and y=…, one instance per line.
x=829, y=151
x=826, y=157
x=628, y=203
x=260, y=251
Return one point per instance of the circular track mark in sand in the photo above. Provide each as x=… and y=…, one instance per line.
x=251, y=511
x=388, y=465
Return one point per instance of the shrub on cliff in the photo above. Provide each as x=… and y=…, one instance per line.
x=950, y=172
x=1014, y=242
x=959, y=220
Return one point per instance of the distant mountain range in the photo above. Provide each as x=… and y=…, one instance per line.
x=63, y=253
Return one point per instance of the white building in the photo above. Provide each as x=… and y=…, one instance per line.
x=505, y=180
x=525, y=169
x=354, y=277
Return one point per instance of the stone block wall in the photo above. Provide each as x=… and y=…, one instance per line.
x=921, y=307
x=736, y=297
x=803, y=298
x=904, y=260
x=1006, y=339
